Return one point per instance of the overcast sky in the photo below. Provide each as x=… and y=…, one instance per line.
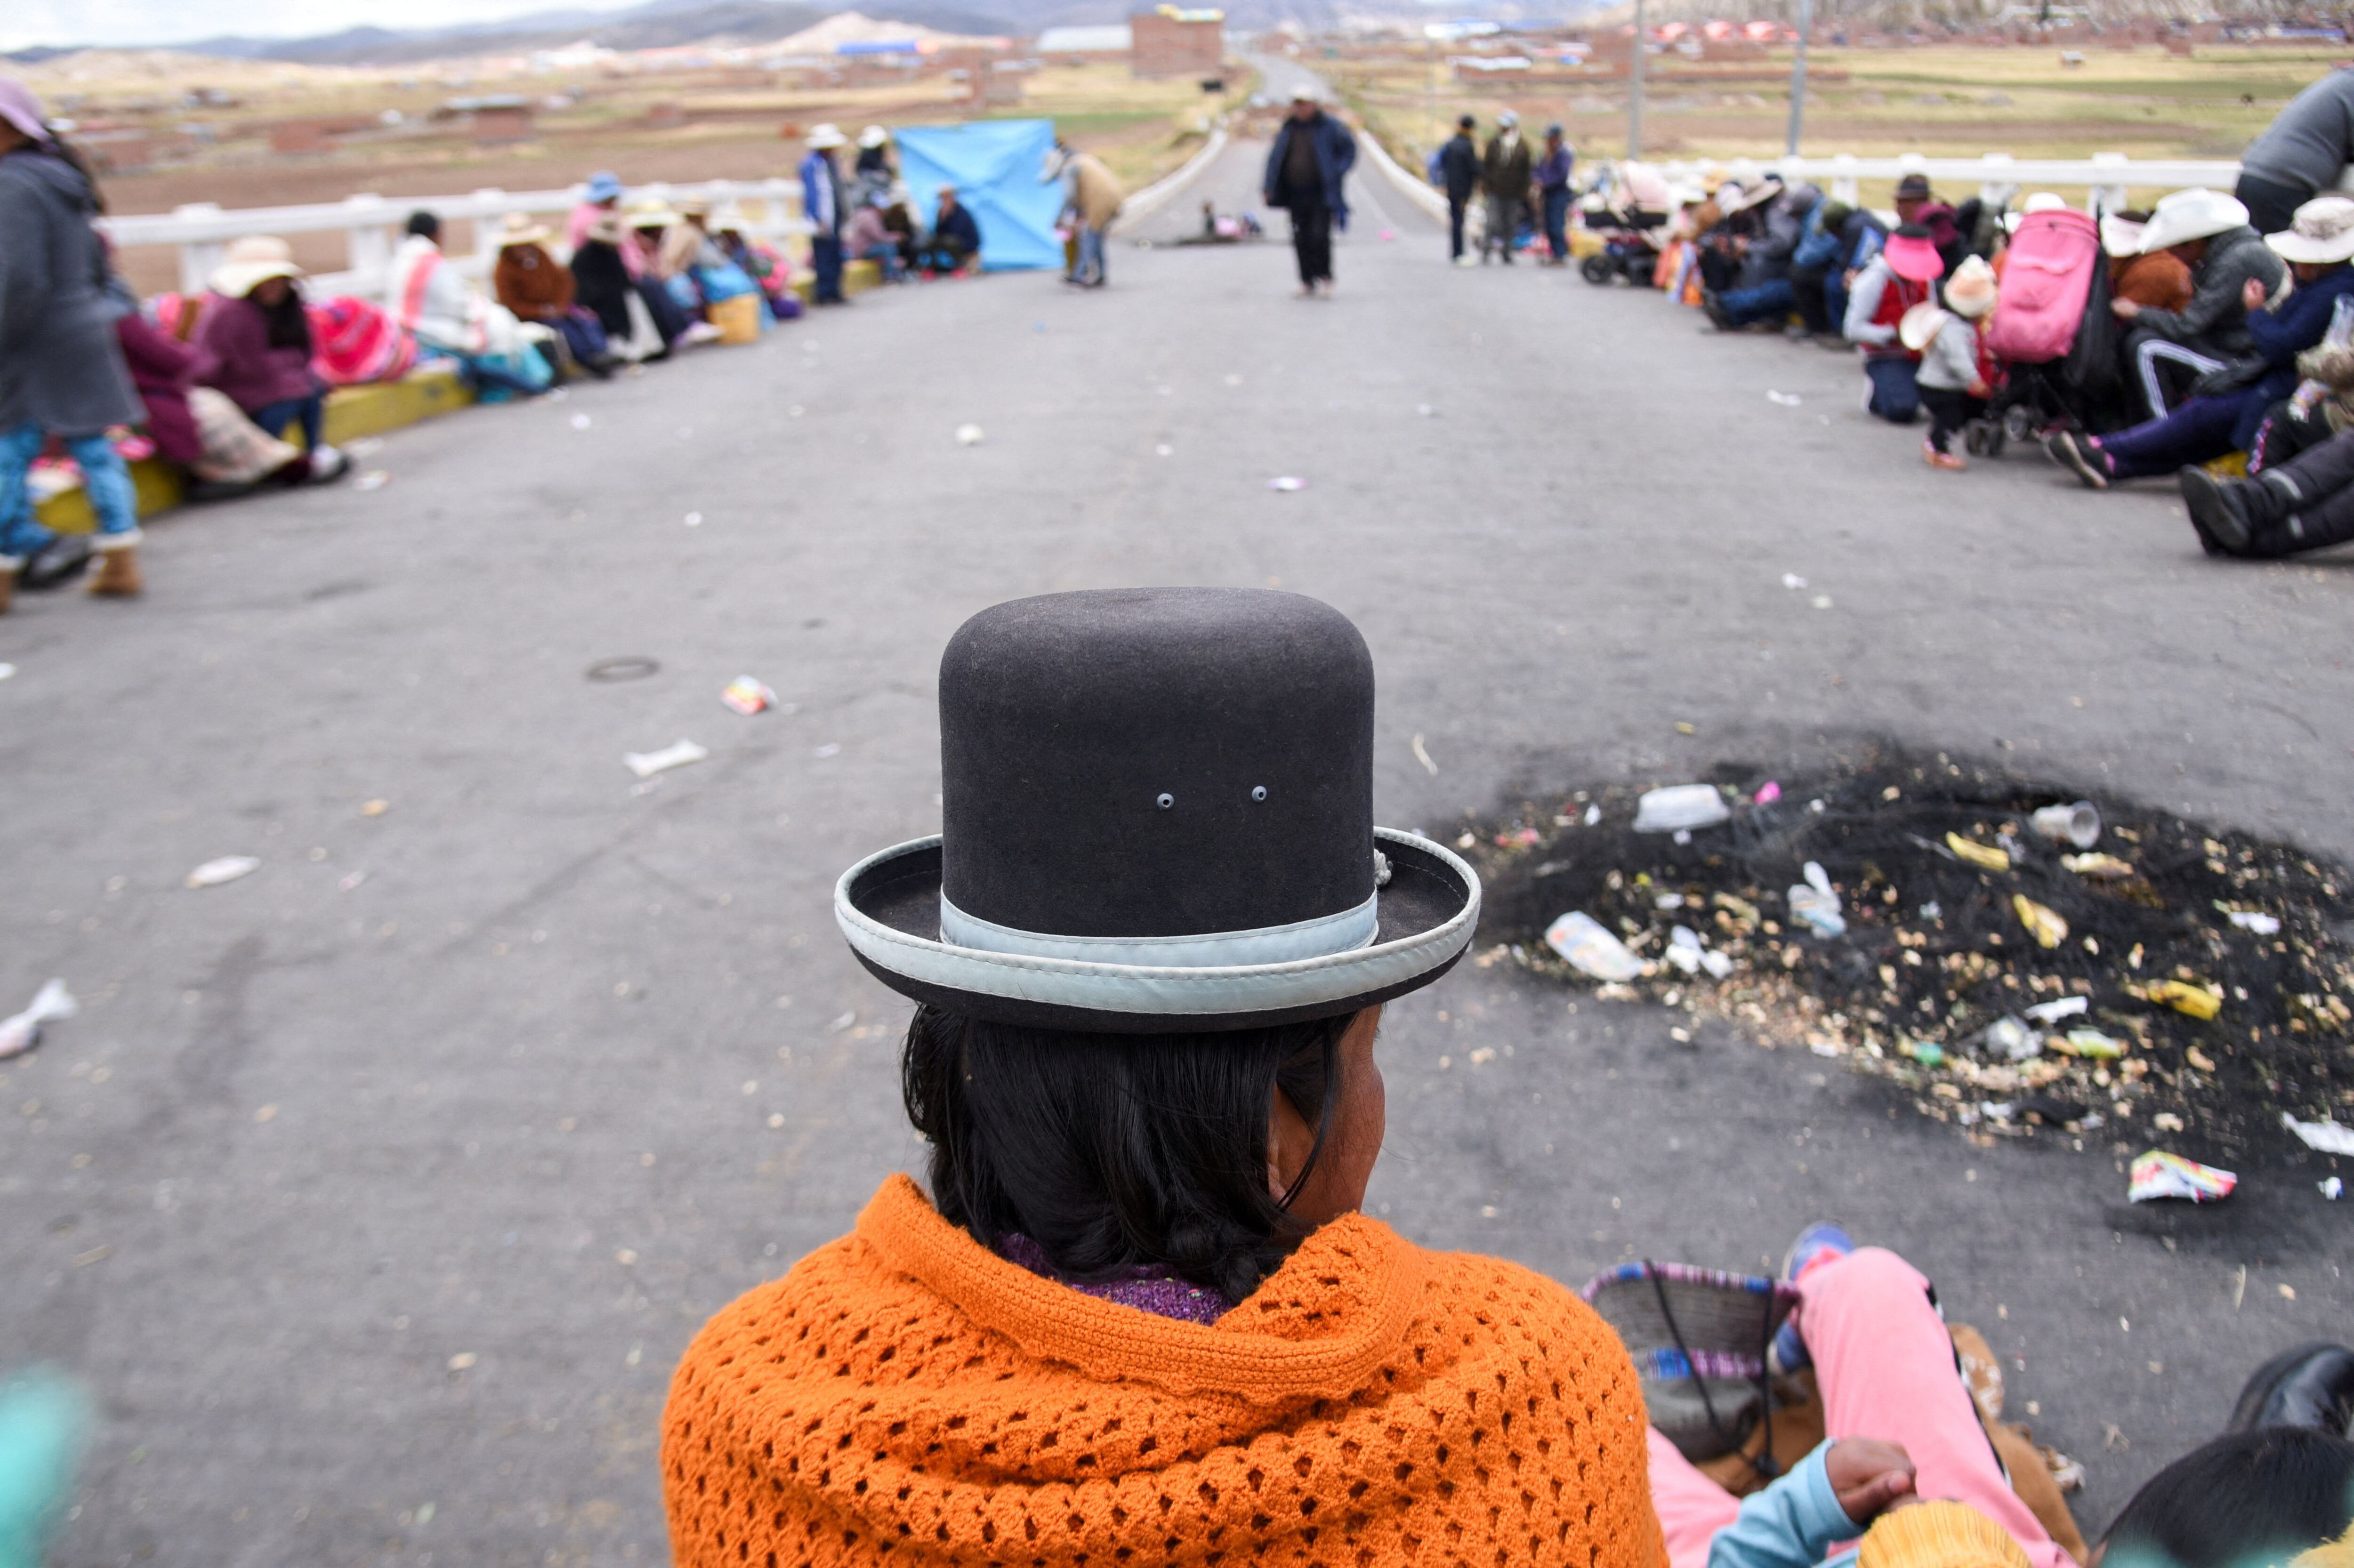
x=24, y=23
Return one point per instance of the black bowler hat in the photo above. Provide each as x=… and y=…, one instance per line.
x=1157, y=813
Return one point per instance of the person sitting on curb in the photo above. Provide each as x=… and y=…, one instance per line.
x=867, y=239
x=2304, y=504
x=2168, y=350
x=1883, y=1361
x=1957, y=373
x=62, y=369
x=1900, y=277
x=448, y=314
x=531, y=282
x=253, y=346
x=2228, y=407
x=955, y=239
x=1172, y=1335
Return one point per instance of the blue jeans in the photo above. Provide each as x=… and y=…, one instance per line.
x=1556, y=220
x=825, y=261
x=1091, y=270
x=310, y=412
x=1895, y=394
x=1765, y=301
x=104, y=476
x=886, y=256
x=2199, y=429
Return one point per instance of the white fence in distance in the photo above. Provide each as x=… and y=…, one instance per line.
x=371, y=224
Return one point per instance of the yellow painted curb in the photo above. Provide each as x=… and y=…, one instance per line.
x=352, y=412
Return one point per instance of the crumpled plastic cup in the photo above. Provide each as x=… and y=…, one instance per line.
x=1816, y=905
x=1590, y=950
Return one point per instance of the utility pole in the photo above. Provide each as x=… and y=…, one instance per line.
x=1635, y=90
x=1799, y=79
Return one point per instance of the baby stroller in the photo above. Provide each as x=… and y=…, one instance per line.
x=1630, y=244
x=2053, y=336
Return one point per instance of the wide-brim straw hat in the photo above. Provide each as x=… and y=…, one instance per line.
x=520, y=229
x=2322, y=232
x=726, y=216
x=873, y=136
x=2041, y=201
x=2195, y=213
x=650, y=212
x=1157, y=817
x=250, y=263
x=1919, y=326
x=825, y=137
x=2121, y=236
x=1913, y=257
x=1970, y=292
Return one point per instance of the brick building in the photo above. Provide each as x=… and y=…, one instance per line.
x=1169, y=42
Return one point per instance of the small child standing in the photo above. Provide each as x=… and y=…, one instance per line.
x=1955, y=376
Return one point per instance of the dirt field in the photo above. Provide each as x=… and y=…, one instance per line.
x=1947, y=101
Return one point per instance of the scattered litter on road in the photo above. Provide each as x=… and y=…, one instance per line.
x=2176, y=1009
x=2331, y=1188
x=2251, y=920
x=2159, y=1175
x=1287, y=483
x=21, y=1032
x=374, y=479
x=374, y=807
x=366, y=446
x=1422, y=755
x=1233, y=379
x=1793, y=581
x=839, y=1024
x=629, y=667
x=968, y=435
x=228, y=868
x=646, y=764
x=2099, y=868
x=1787, y=400
x=580, y=421
x=746, y=696
x=1426, y=410
x=2079, y=825
x=1389, y=234
x=1590, y=950
x=2327, y=1136
x=353, y=880
x=7, y=671
x=795, y=412
x=694, y=519
x=831, y=748
x=2012, y=1039
x=1816, y=903
x=1822, y=601
x=1681, y=807
x=1164, y=449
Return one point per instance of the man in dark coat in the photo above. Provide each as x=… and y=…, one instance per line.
x=1458, y=176
x=1306, y=171
x=62, y=369
x=1505, y=170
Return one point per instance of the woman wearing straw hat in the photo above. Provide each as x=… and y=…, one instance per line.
x=530, y=282
x=253, y=345
x=823, y=205
x=1139, y=1312
x=61, y=370
x=1901, y=275
x=2228, y=407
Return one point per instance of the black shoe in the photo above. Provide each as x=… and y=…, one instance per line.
x=2069, y=451
x=55, y=564
x=2219, y=510
x=2311, y=1386
x=603, y=366
x=1712, y=305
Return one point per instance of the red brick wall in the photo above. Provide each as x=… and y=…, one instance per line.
x=1165, y=46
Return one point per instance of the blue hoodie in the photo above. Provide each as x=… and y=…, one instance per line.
x=1792, y=1523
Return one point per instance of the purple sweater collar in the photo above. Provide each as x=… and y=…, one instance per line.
x=1146, y=1287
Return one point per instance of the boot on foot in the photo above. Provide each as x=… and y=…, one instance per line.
x=7, y=583
x=118, y=575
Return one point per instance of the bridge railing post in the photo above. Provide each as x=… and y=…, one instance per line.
x=2109, y=195
x=197, y=257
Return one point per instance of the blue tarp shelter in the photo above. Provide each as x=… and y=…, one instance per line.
x=994, y=166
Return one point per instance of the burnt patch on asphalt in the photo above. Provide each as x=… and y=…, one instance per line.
x=2168, y=984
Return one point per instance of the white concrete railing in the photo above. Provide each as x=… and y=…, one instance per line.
x=772, y=209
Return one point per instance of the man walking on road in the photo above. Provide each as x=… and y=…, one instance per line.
x=1305, y=173
x=1505, y=173
x=1458, y=176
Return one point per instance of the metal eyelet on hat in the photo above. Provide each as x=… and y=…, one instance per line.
x=1166, y=801
x=1258, y=792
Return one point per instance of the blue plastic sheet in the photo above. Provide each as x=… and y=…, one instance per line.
x=994, y=166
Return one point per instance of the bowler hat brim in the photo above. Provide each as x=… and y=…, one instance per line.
x=889, y=907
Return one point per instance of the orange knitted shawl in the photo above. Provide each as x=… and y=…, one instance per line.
x=904, y=1392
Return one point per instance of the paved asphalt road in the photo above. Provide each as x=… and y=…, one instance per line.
x=374, y=1195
